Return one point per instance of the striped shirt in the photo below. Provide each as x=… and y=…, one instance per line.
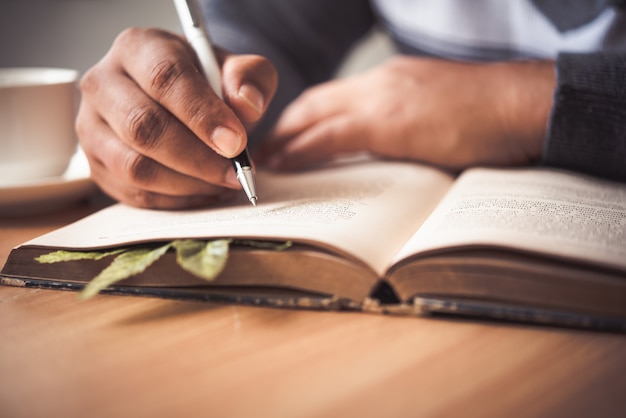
x=490, y=29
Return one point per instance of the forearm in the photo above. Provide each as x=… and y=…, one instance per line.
x=587, y=130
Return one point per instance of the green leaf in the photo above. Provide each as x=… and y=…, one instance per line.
x=204, y=259
x=61, y=255
x=123, y=266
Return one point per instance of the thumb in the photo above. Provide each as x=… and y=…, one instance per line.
x=249, y=83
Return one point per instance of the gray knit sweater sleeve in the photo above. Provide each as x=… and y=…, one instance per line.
x=587, y=129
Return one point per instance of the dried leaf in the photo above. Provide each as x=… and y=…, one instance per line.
x=267, y=245
x=62, y=255
x=204, y=259
x=123, y=266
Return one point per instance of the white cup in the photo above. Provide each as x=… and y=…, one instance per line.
x=37, y=111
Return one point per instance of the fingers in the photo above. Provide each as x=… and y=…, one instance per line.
x=135, y=179
x=166, y=69
x=117, y=95
x=313, y=106
x=155, y=133
x=327, y=140
x=321, y=124
x=149, y=129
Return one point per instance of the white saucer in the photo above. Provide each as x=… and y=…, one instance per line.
x=48, y=194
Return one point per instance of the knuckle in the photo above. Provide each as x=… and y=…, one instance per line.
x=89, y=81
x=128, y=35
x=399, y=62
x=80, y=129
x=306, y=105
x=146, y=125
x=79, y=125
x=199, y=116
x=311, y=93
x=141, y=170
x=164, y=74
x=165, y=53
x=330, y=133
x=143, y=199
x=85, y=130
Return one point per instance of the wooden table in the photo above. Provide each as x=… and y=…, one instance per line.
x=122, y=356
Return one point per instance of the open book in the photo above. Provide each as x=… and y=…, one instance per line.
x=528, y=244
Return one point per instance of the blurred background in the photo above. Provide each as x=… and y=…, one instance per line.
x=72, y=33
x=77, y=33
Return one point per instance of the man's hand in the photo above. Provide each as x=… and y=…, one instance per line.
x=155, y=133
x=449, y=114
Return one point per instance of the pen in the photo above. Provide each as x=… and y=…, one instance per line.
x=196, y=34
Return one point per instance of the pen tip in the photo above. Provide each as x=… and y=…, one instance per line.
x=253, y=200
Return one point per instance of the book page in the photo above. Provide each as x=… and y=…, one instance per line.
x=550, y=211
x=366, y=210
